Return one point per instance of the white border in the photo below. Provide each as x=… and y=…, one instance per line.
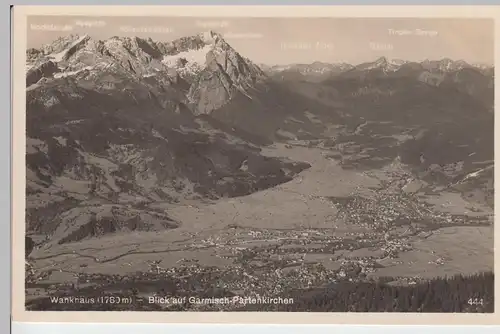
x=18, y=167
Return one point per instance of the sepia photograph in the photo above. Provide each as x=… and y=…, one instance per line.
x=259, y=164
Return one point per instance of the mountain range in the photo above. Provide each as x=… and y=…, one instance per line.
x=387, y=65
x=115, y=125
x=477, y=79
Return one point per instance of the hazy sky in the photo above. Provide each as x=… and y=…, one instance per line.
x=296, y=40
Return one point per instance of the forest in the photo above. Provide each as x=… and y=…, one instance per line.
x=459, y=293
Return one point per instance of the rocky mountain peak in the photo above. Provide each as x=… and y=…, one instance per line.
x=59, y=50
x=209, y=70
x=381, y=63
x=224, y=75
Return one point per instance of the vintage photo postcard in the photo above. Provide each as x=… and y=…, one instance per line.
x=308, y=164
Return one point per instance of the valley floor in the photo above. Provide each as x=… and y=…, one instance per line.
x=290, y=237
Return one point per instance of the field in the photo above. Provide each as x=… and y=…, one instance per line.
x=284, y=238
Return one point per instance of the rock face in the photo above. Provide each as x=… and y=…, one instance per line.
x=226, y=74
x=43, y=70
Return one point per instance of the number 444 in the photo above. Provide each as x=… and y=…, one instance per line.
x=475, y=301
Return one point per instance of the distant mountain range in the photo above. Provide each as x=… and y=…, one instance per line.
x=476, y=80
x=116, y=124
x=383, y=63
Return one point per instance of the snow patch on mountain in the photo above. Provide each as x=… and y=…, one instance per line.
x=71, y=73
x=397, y=62
x=191, y=60
x=446, y=64
x=476, y=173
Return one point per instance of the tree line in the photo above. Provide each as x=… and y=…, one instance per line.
x=459, y=293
